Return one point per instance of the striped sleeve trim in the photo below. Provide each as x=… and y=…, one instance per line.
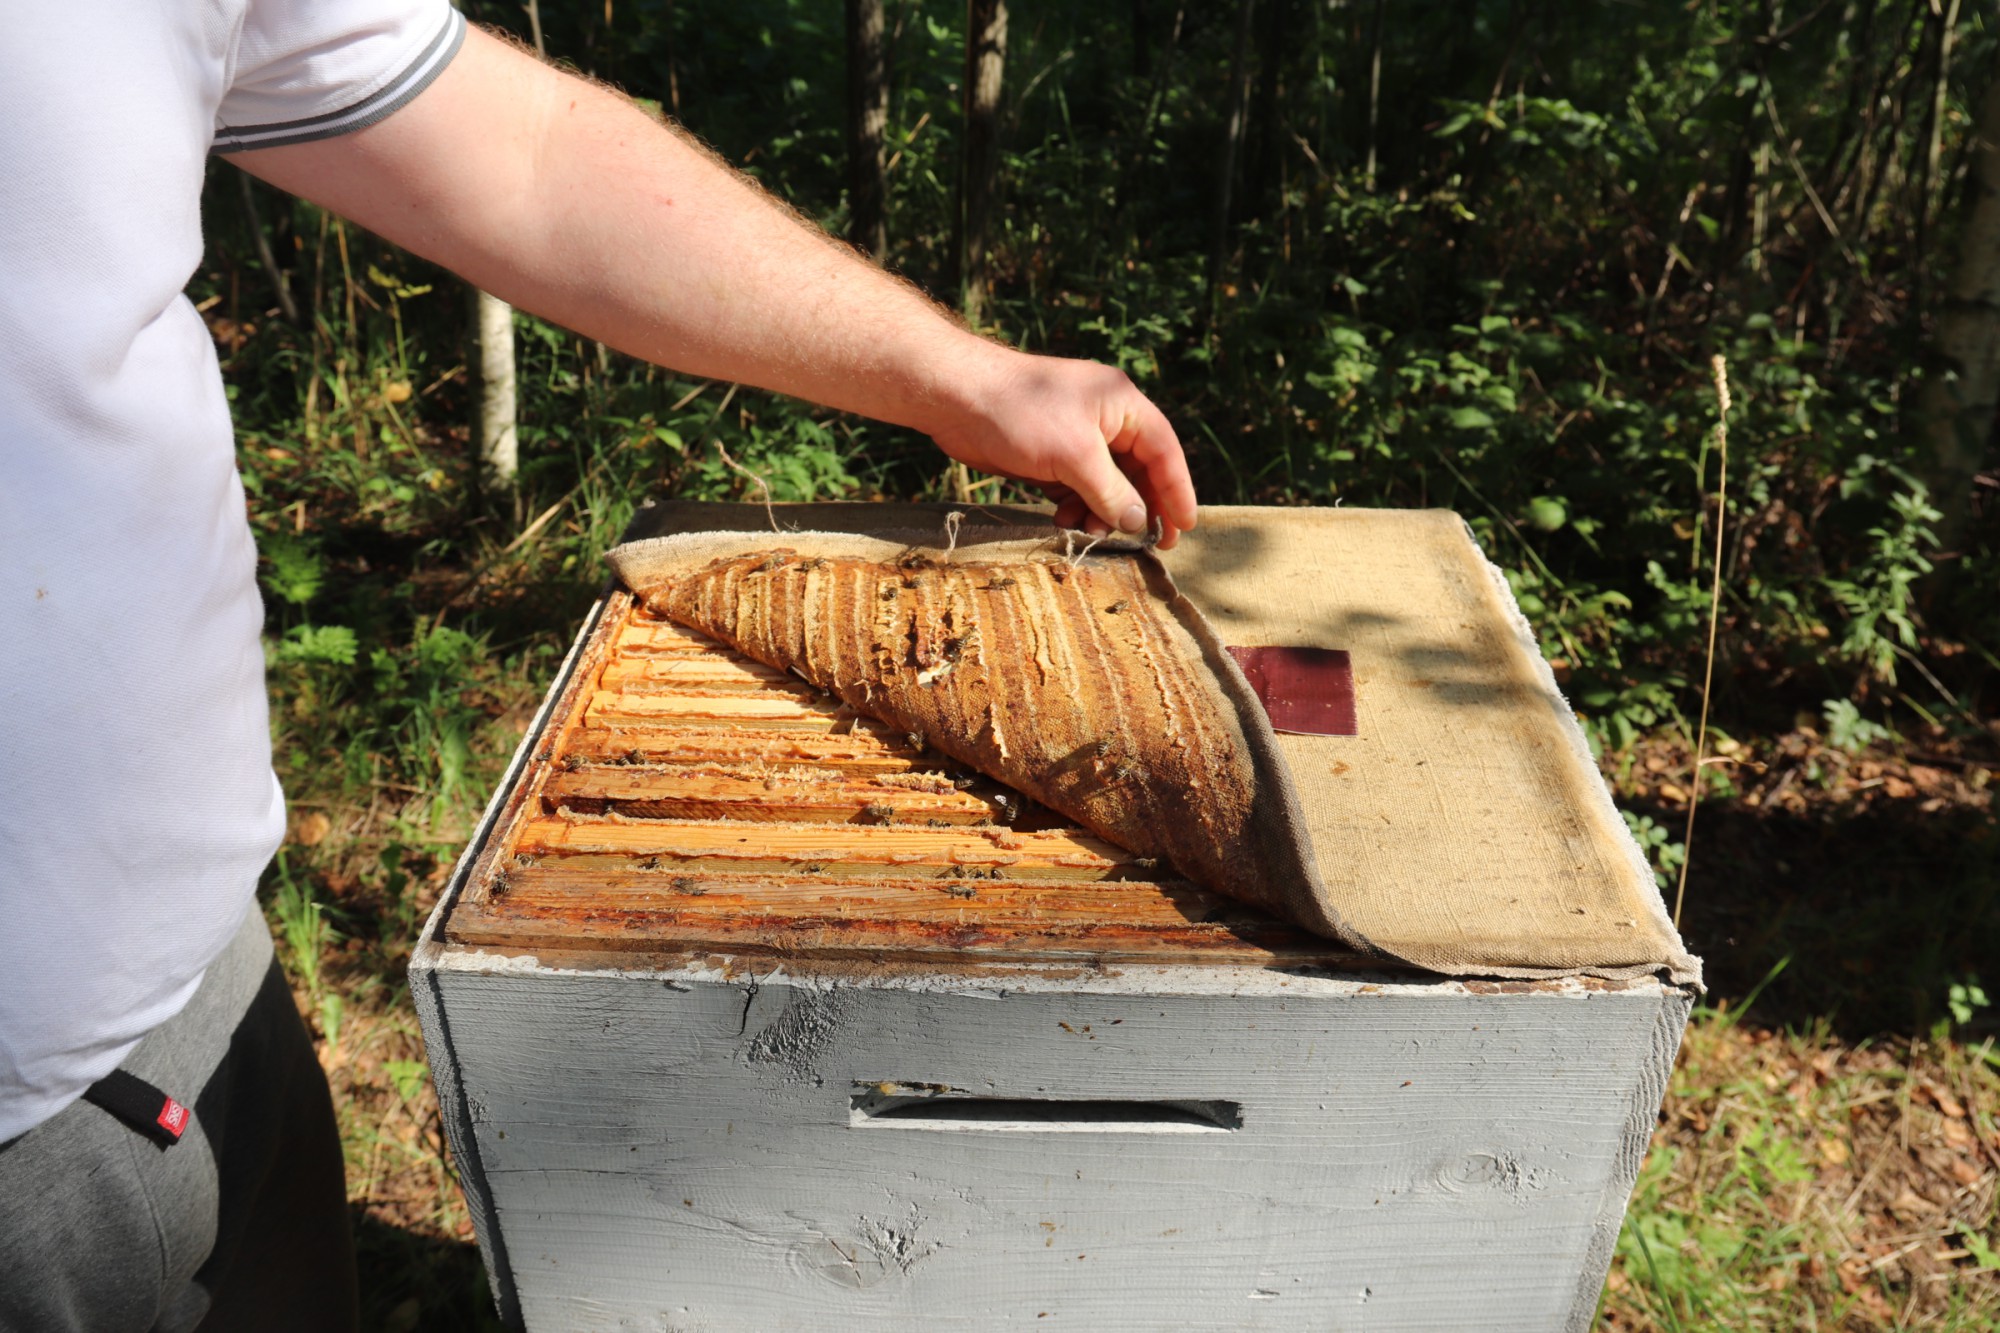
x=392, y=96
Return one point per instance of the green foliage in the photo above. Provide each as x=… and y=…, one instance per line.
x=1847, y=729
x=1983, y=1254
x=1664, y=854
x=302, y=922
x=1965, y=999
x=1878, y=597
x=296, y=571
x=1511, y=316
x=331, y=645
x=332, y=1013
x=409, y=1076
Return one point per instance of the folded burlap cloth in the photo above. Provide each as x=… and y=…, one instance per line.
x=1465, y=829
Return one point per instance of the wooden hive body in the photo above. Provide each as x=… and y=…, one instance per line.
x=745, y=1014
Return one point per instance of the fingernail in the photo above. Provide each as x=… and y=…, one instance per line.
x=1133, y=519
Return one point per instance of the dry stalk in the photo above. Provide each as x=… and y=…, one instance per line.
x=770, y=512
x=1720, y=367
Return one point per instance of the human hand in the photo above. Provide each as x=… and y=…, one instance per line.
x=1078, y=430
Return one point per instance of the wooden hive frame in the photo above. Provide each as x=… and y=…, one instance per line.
x=681, y=799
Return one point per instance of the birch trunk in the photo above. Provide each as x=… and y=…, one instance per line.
x=867, y=117
x=499, y=449
x=1955, y=411
x=493, y=323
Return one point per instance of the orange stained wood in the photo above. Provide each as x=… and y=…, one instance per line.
x=684, y=799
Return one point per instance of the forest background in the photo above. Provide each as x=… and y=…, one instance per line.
x=1477, y=254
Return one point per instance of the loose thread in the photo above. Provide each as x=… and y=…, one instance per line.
x=951, y=522
x=770, y=511
x=1069, y=544
x=1720, y=369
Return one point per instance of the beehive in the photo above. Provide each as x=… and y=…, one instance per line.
x=748, y=1013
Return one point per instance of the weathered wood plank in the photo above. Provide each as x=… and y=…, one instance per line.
x=821, y=915
x=704, y=673
x=817, y=897
x=681, y=1150
x=762, y=710
x=643, y=633
x=865, y=749
x=797, y=938
x=562, y=717
x=782, y=795
x=836, y=848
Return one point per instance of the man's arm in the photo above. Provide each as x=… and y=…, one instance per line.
x=569, y=201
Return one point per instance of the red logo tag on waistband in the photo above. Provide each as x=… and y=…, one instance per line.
x=140, y=1106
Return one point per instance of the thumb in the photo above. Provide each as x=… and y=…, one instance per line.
x=1099, y=483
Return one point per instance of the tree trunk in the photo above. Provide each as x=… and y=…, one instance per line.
x=499, y=449
x=1232, y=148
x=534, y=9
x=867, y=118
x=281, y=285
x=985, y=62
x=493, y=328
x=1374, y=92
x=1955, y=410
x=667, y=23
x=493, y=378
x=1263, y=129
x=1934, y=142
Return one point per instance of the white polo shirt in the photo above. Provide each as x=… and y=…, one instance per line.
x=137, y=802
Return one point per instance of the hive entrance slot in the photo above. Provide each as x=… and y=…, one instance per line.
x=874, y=1109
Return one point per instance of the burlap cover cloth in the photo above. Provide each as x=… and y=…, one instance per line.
x=1464, y=828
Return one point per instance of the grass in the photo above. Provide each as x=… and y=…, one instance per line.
x=1828, y=1156
x=1799, y=1181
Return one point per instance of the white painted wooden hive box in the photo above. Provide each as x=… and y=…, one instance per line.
x=742, y=1022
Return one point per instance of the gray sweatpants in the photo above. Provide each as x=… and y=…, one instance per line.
x=240, y=1225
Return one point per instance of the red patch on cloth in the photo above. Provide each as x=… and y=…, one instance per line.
x=1308, y=691
x=173, y=1118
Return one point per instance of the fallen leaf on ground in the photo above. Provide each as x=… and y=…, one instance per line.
x=312, y=829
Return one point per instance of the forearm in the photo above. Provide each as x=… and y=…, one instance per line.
x=589, y=213
x=569, y=201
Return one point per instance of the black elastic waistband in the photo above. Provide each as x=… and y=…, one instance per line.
x=141, y=1106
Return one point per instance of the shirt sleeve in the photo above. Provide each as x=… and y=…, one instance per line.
x=311, y=69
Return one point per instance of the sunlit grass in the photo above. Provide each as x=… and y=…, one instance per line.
x=1799, y=1182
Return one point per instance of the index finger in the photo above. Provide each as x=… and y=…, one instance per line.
x=1169, y=531
x=1150, y=453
